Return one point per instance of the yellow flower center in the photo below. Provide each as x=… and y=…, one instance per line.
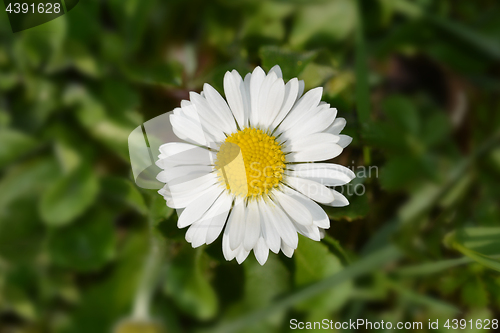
x=250, y=163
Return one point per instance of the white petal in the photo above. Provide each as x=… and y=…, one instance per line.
x=291, y=91
x=267, y=228
x=313, y=190
x=176, y=186
x=322, y=233
x=261, y=251
x=242, y=255
x=339, y=201
x=264, y=99
x=318, y=152
x=324, y=173
x=188, y=130
x=273, y=103
x=314, y=124
x=184, y=198
x=175, y=154
x=198, y=207
x=263, y=95
x=344, y=141
x=236, y=224
x=319, y=216
x=212, y=131
x=203, y=113
x=277, y=70
x=302, y=85
x=283, y=225
x=236, y=96
x=174, y=148
x=228, y=253
x=287, y=250
x=248, y=107
x=191, y=232
x=303, y=143
x=219, y=105
x=200, y=234
x=219, y=218
x=256, y=81
x=297, y=211
x=193, y=171
x=252, y=225
x=208, y=228
x=310, y=231
x=208, y=114
x=337, y=126
x=301, y=109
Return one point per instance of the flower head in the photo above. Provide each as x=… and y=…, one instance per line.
x=248, y=167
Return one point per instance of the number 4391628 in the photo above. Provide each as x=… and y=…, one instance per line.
x=478, y=324
x=47, y=8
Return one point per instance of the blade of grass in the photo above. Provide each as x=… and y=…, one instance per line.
x=485, y=45
x=488, y=261
x=409, y=215
x=362, y=90
x=432, y=267
x=489, y=47
x=64, y=6
x=363, y=266
x=432, y=303
x=435, y=267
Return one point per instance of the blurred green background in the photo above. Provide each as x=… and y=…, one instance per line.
x=82, y=248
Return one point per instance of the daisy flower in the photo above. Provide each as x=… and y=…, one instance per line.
x=247, y=166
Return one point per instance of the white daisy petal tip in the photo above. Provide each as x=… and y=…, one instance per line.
x=344, y=140
x=248, y=165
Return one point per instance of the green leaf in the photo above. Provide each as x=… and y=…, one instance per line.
x=324, y=22
x=478, y=243
x=93, y=116
x=14, y=145
x=119, y=97
x=400, y=171
x=402, y=112
x=21, y=232
x=124, y=193
x=188, y=285
x=165, y=74
x=291, y=63
x=361, y=267
x=27, y=179
x=358, y=206
x=160, y=212
x=8, y=80
x=315, y=75
x=313, y=262
x=386, y=136
x=69, y=196
x=474, y=293
x=264, y=283
x=435, y=129
x=131, y=326
x=109, y=298
x=86, y=245
x=19, y=284
x=265, y=24
x=40, y=45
